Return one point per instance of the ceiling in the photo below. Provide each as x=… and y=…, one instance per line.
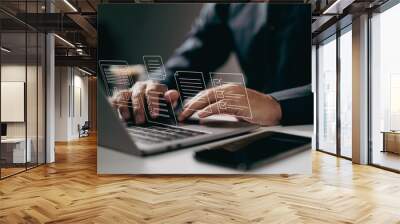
x=72, y=20
x=75, y=21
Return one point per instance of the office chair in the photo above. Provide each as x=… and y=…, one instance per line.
x=84, y=130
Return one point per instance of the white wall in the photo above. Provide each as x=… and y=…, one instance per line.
x=33, y=127
x=70, y=83
x=79, y=117
x=62, y=81
x=17, y=73
x=14, y=73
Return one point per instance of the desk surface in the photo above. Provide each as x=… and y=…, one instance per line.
x=13, y=140
x=182, y=162
x=391, y=132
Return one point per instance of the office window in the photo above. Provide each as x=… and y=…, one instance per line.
x=346, y=92
x=14, y=147
x=22, y=94
x=327, y=95
x=385, y=88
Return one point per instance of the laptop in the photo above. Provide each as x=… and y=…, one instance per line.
x=155, y=136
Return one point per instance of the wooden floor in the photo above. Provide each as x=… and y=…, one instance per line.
x=5, y=172
x=387, y=159
x=69, y=191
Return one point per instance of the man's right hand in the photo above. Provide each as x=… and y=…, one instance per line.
x=148, y=92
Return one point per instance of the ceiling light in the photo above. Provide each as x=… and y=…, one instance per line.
x=333, y=6
x=65, y=41
x=70, y=5
x=5, y=50
x=337, y=7
x=84, y=71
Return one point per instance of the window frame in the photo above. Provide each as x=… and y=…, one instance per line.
x=347, y=27
x=380, y=9
x=28, y=29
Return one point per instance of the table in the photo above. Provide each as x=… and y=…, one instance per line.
x=110, y=161
x=13, y=150
x=391, y=141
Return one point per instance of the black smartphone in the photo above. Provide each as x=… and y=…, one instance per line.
x=255, y=151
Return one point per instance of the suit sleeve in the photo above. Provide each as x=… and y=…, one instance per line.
x=207, y=46
x=297, y=105
x=293, y=52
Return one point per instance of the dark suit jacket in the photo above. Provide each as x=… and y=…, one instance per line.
x=272, y=43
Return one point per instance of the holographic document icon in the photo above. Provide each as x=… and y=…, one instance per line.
x=190, y=85
x=228, y=100
x=154, y=67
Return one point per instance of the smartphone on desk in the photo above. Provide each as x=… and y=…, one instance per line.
x=255, y=151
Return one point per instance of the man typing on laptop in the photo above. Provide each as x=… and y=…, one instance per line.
x=271, y=52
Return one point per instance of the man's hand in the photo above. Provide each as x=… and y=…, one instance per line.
x=266, y=111
x=146, y=93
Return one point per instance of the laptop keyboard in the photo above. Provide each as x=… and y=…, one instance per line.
x=160, y=133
